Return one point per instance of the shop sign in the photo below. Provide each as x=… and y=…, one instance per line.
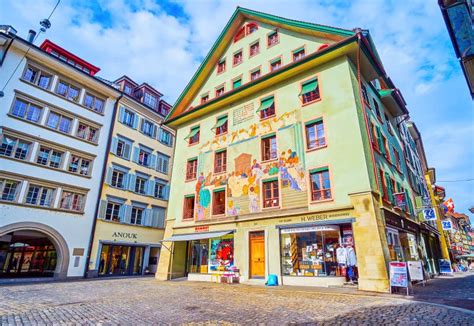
x=398, y=274
x=322, y=217
x=429, y=214
x=445, y=266
x=447, y=225
x=203, y=228
x=415, y=270
x=400, y=199
x=311, y=229
x=125, y=235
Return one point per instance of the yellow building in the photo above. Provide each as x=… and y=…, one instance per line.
x=134, y=197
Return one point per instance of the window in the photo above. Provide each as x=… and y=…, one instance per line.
x=270, y=194
x=150, y=100
x=220, y=161
x=123, y=148
x=193, y=136
x=275, y=64
x=39, y=196
x=144, y=157
x=251, y=27
x=26, y=110
x=188, y=207
x=49, y=157
x=9, y=189
x=221, y=66
x=255, y=74
x=298, y=54
x=127, y=117
x=127, y=89
x=310, y=91
x=397, y=159
x=320, y=184
x=36, y=76
x=59, y=122
x=140, y=185
x=94, y=103
x=137, y=215
x=148, y=128
x=166, y=137
x=72, y=201
x=269, y=148
x=238, y=58
x=383, y=185
x=237, y=83
x=254, y=48
x=386, y=148
x=373, y=131
x=79, y=165
x=117, y=179
x=191, y=169
x=204, y=98
x=14, y=147
x=221, y=125
x=218, y=202
x=364, y=94
x=219, y=91
x=112, y=212
x=377, y=110
x=68, y=91
x=162, y=163
x=315, y=137
x=240, y=34
x=272, y=38
x=87, y=132
x=161, y=190
x=267, y=108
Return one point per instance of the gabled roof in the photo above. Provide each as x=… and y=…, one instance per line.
x=238, y=17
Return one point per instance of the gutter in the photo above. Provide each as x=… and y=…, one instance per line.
x=102, y=180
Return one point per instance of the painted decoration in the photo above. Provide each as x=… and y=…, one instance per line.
x=222, y=254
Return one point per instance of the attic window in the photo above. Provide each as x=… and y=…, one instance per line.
x=251, y=27
x=245, y=30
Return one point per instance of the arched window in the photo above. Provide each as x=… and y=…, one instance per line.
x=251, y=27
x=245, y=30
x=240, y=34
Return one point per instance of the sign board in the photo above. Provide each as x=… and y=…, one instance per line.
x=398, y=274
x=415, y=270
x=447, y=225
x=311, y=229
x=429, y=214
x=445, y=266
x=203, y=228
x=400, y=199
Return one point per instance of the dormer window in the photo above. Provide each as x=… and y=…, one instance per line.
x=298, y=54
x=251, y=27
x=245, y=30
x=150, y=100
x=127, y=89
x=221, y=66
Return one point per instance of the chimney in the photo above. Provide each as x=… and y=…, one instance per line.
x=31, y=36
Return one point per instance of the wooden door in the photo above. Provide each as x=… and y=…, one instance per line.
x=257, y=254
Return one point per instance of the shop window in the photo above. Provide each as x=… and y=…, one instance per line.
x=221, y=66
x=221, y=125
x=267, y=108
x=188, y=207
x=320, y=184
x=193, y=137
x=220, y=161
x=269, y=148
x=218, y=202
x=198, y=256
x=255, y=74
x=39, y=196
x=394, y=247
x=315, y=137
x=254, y=49
x=275, y=64
x=273, y=38
x=14, y=147
x=298, y=54
x=191, y=169
x=26, y=110
x=310, y=91
x=271, y=195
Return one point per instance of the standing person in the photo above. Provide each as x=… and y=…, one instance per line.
x=351, y=263
x=341, y=257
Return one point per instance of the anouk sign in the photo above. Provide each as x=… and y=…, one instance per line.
x=125, y=235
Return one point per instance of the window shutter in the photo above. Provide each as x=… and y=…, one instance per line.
x=166, y=192
x=122, y=212
x=150, y=184
x=136, y=120
x=159, y=162
x=136, y=152
x=389, y=187
x=108, y=178
x=127, y=213
x=165, y=165
x=158, y=133
x=131, y=182
x=102, y=209
x=121, y=114
x=171, y=140
x=113, y=146
x=125, y=181
x=152, y=161
x=379, y=139
x=154, y=131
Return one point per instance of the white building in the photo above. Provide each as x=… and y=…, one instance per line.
x=55, y=122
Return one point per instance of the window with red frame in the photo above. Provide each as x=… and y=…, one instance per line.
x=271, y=196
x=397, y=159
x=251, y=28
x=267, y=108
x=218, y=202
x=204, y=99
x=221, y=66
x=298, y=54
x=194, y=135
x=254, y=48
x=373, y=131
x=220, y=162
x=269, y=148
x=191, y=169
x=188, y=207
x=310, y=91
x=255, y=74
x=220, y=91
x=320, y=184
x=240, y=34
x=272, y=38
x=275, y=64
x=238, y=57
x=315, y=134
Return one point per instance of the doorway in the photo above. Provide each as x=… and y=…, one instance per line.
x=257, y=254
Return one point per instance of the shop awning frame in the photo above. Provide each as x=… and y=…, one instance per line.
x=316, y=223
x=197, y=236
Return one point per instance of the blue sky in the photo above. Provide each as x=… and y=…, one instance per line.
x=163, y=43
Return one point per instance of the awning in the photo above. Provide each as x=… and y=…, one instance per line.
x=193, y=133
x=309, y=87
x=220, y=122
x=266, y=103
x=197, y=236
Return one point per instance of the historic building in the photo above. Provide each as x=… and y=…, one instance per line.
x=54, y=129
x=289, y=160
x=134, y=198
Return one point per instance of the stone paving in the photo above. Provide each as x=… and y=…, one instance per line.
x=140, y=301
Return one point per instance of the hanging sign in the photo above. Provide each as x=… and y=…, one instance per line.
x=447, y=225
x=400, y=199
x=445, y=266
x=398, y=274
x=415, y=270
x=429, y=214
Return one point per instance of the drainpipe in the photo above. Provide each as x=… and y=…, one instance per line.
x=102, y=179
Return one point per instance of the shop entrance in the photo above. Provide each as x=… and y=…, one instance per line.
x=27, y=254
x=117, y=260
x=257, y=254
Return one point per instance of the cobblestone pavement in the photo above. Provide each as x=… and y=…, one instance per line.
x=141, y=301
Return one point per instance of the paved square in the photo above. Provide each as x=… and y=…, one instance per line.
x=146, y=301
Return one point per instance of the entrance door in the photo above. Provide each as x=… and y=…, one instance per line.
x=257, y=254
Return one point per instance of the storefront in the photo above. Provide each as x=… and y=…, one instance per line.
x=117, y=260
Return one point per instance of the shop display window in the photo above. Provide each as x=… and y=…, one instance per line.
x=394, y=247
x=211, y=255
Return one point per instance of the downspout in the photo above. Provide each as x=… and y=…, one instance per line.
x=102, y=179
x=359, y=34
